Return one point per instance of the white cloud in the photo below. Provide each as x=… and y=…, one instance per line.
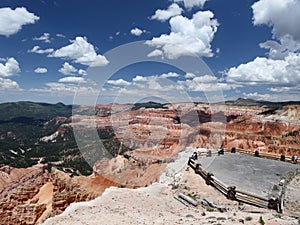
x=256, y=95
x=119, y=82
x=188, y=36
x=154, y=82
x=205, y=83
x=163, y=15
x=38, y=50
x=45, y=38
x=283, y=17
x=192, y=3
x=195, y=86
x=81, y=52
x=11, y=21
x=205, y=79
x=189, y=75
x=40, y=70
x=68, y=69
x=6, y=84
x=268, y=71
x=280, y=71
x=82, y=72
x=60, y=35
x=137, y=32
x=71, y=80
x=10, y=68
x=169, y=75
x=65, y=88
x=139, y=78
x=155, y=52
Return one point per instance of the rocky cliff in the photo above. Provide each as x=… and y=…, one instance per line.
x=29, y=196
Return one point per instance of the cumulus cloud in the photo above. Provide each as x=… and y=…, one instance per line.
x=154, y=82
x=139, y=78
x=82, y=72
x=205, y=83
x=6, y=84
x=65, y=88
x=137, y=32
x=283, y=17
x=40, y=70
x=119, y=82
x=280, y=71
x=190, y=75
x=71, y=80
x=10, y=68
x=38, y=50
x=268, y=71
x=188, y=36
x=169, y=75
x=67, y=69
x=256, y=95
x=45, y=38
x=81, y=52
x=163, y=15
x=11, y=21
x=192, y=3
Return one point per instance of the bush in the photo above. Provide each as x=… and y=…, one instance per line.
x=248, y=218
x=261, y=221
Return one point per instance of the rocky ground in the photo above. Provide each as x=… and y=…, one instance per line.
x=292, y=199
x=159, y=204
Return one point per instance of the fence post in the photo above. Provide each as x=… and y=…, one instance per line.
x=273, y=204
x=231, y=192
x=209, y=178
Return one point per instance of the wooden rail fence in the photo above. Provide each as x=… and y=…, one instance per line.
x=234, y=194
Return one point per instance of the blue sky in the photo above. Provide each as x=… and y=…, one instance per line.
x=251, y=48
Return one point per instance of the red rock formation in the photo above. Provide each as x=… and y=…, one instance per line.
x=29, y=196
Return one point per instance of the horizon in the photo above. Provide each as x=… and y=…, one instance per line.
x=163, y=103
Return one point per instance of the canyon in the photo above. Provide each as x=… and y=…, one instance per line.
x=137, y=143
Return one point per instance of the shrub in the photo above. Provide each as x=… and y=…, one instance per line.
x=261, y=221
x=248, y=218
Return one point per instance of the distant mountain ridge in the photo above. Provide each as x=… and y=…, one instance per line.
x=259, y=103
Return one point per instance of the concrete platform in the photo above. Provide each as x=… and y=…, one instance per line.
x=248, y=173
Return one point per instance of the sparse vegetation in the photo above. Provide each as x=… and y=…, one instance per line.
x=22, y=124
x=261, y=221
x=275, y=188
x=175, y=186
x=186, y=188
x=278, y=215
x=193, y=196
x=209, y=209
x=248, y=218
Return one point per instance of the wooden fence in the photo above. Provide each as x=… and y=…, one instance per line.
x=262, y=154
x=234, y=194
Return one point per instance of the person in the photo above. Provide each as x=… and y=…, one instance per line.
x=194, y=156
x=221, y=151
x=294, y=159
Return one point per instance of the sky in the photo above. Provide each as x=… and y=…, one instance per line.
x=167, y=50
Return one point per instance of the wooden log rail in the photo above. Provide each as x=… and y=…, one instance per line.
x=267, y=155
x=232, y=193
